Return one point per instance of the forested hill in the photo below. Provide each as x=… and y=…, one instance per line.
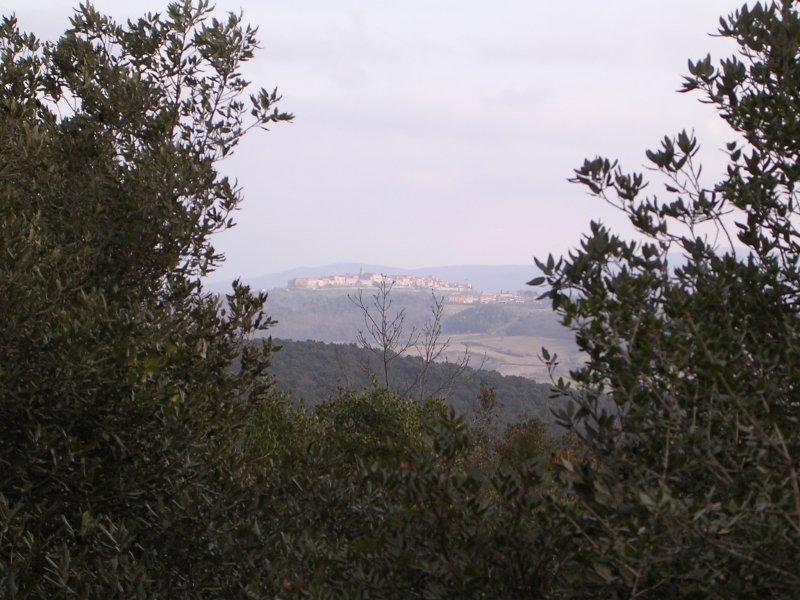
x=314, y=370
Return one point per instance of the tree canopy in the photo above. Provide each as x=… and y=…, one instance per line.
x=116, y=405
x=144, y=451
x=688, y=401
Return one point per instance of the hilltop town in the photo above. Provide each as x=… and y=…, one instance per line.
x=453, y=293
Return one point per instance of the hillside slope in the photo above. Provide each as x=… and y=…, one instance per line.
x=507, y=338
x=313, y=371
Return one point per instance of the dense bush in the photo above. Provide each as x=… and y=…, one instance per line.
x=383, y=498
x=119, y=422
x=688, y=402
x=143, y=451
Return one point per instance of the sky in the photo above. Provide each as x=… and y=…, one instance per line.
x=443, y=132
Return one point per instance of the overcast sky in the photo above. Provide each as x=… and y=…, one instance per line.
x=442, y=132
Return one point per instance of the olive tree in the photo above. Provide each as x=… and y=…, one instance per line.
x=688, y=403
x=119, y=414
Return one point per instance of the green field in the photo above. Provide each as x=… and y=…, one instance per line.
x=515, y=354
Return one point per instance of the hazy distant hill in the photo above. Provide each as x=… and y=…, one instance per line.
x=486, y=278
x=505, y=338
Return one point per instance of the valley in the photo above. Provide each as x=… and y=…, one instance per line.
x=506, y=338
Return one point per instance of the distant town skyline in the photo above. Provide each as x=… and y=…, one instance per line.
x=450, y=292
x=443, y=133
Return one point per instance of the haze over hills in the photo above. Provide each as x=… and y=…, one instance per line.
x=483, y=278
x=503, y=337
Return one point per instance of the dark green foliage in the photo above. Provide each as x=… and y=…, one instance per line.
x=394, y=508
x=144, y=452
x=314, y=371
x=532, y=437
x=692, y=485
x=119, y=421
x=360, y=424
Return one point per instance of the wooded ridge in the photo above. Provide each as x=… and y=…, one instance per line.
x=314, y=371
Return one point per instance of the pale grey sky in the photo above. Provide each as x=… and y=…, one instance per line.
x=439, y=132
